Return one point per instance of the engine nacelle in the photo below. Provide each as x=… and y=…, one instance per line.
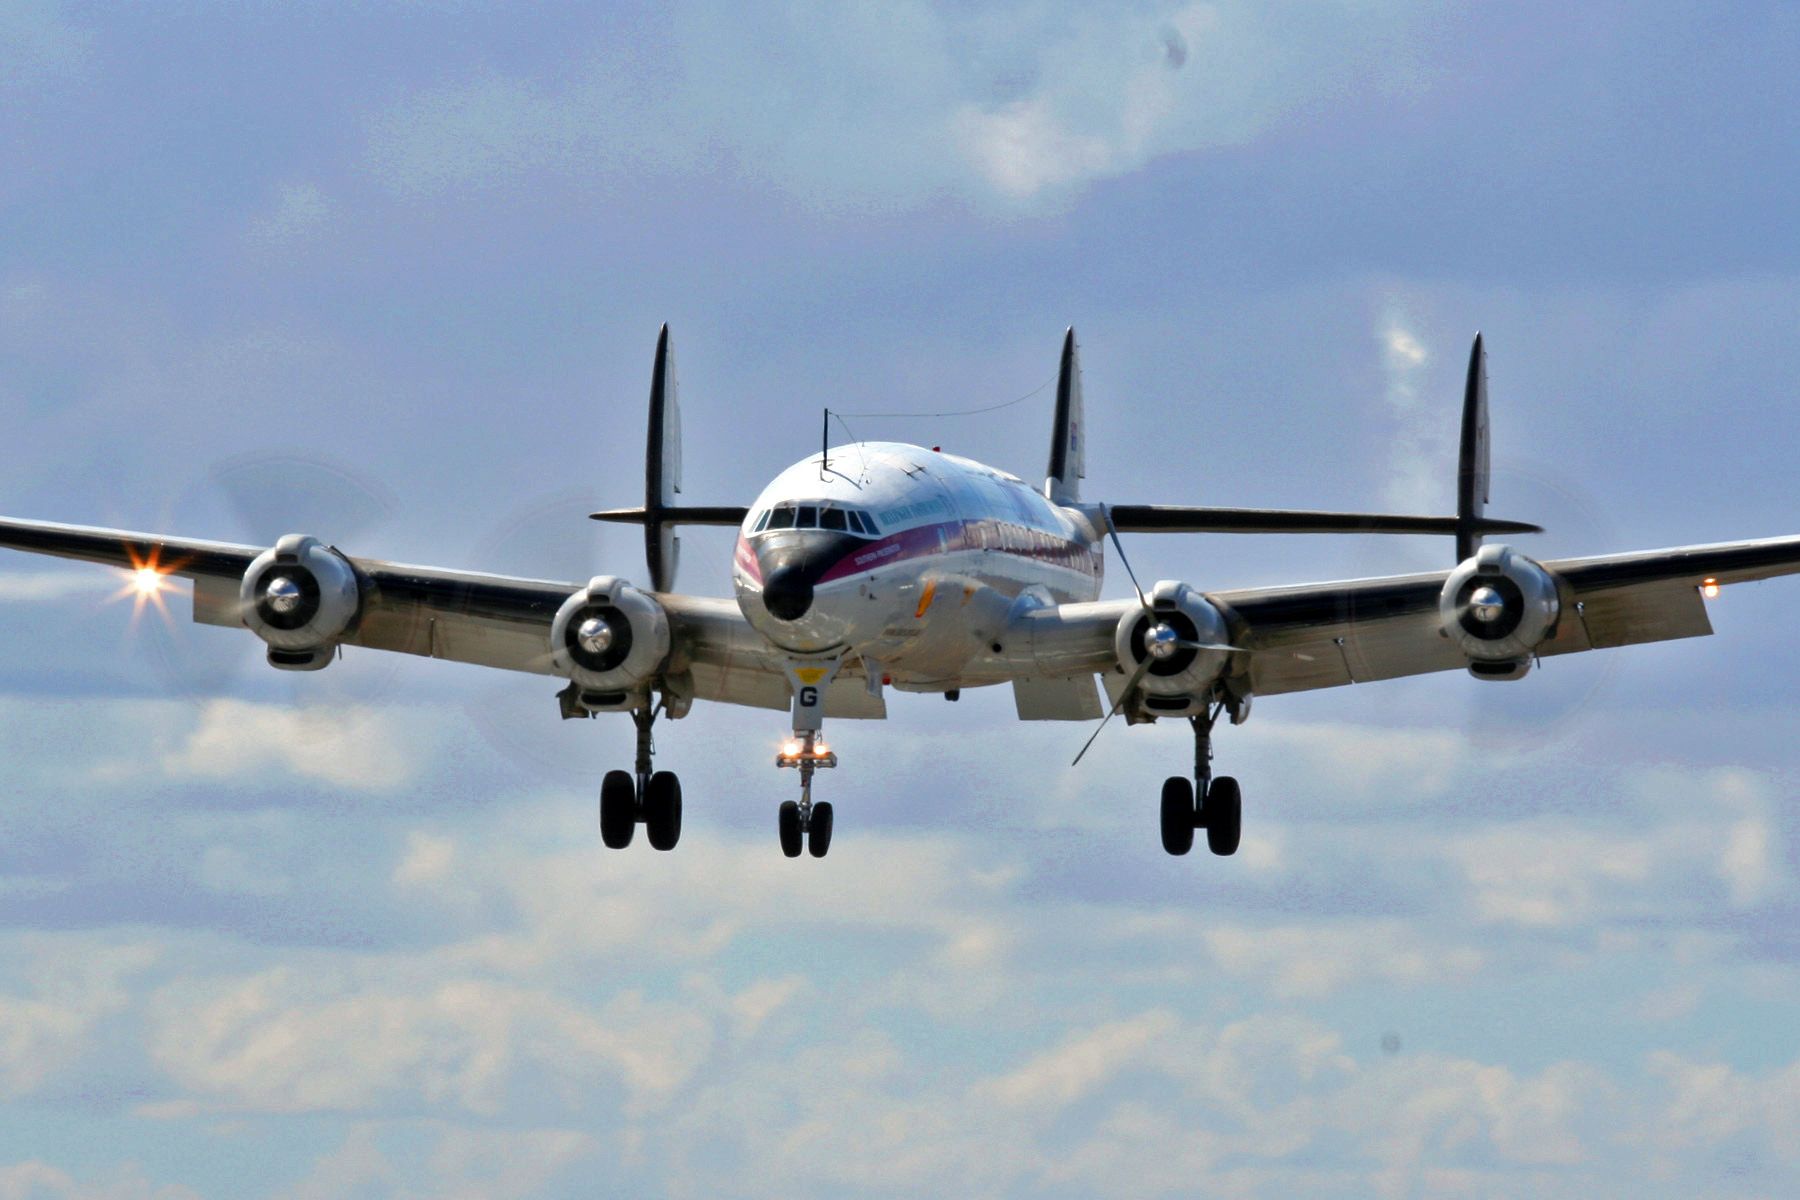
x=1497, y=607
x=300, y=597
x=610, y=639
x=1180, y=679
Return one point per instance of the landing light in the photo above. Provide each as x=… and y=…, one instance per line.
x=1709, y=588
x=791, y=750
x=146, y=581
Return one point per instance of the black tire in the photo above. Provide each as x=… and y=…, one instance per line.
x=618, y=809
x=818, y=835
x=1178, y=815
x=788, y=821
x=662, y=810
x=1224, y=815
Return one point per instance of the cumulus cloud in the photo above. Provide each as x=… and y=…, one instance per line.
x=354, y=746
x=70, y=985
x=898, y=105
x=284, y=1042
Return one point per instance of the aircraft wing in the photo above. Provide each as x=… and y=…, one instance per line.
x=462, y=616
x=1356, y=631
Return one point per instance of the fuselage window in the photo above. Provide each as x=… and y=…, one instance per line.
x=868, y=524
x=808, y=517
x=781, y=518
x=832, y=518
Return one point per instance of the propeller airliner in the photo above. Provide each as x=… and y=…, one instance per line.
x=879, y=565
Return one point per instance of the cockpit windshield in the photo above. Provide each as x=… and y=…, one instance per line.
x=834, y=517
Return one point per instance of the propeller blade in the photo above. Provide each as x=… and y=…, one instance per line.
x=1130, y=686
x=1113, y=532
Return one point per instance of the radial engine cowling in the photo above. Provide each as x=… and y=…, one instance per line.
x=610, y=639
x=1180, y=679
x=300, y=597
x=1497, y=607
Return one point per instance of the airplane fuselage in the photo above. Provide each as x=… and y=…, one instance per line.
x=906, y=558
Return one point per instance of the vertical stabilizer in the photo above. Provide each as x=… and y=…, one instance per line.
x=1068, y=438
x=662, y=468
x=1472, y=459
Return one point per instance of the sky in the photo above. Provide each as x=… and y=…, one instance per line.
x=392, y=275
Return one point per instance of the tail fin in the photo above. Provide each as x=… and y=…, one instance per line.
x=1067, y=460
x=1472, y=472
x=662, y=468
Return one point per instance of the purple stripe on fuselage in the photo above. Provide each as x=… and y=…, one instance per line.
x=1002, y=537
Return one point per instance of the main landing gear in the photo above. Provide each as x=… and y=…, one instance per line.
x=1220, y=810
x=626, y=799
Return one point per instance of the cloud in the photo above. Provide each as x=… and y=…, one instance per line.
x=39, y=1180
x=298, y=208
x=359, y=747
x=42, y=587
x=73, y=983
x=283, y=1041
x=39, y=48
x=896, y=106
x=1423, y=455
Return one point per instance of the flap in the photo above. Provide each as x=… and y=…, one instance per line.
x=1075, y=698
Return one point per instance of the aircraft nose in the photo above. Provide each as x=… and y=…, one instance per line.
x=787, y=592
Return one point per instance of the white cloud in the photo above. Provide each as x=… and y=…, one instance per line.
x=287, y=1041
x=39, y=1180
x=38, y=587
x=73, y=983
x=355, y=746
x=296, y=209
x=39, y=48
x=900, y=104
x=1422, y=461
x=1316, y=959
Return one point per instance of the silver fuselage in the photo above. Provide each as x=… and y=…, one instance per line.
x=950, y=551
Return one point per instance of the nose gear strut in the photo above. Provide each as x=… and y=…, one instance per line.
x=802, y=820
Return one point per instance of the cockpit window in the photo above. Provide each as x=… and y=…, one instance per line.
x=789, y=515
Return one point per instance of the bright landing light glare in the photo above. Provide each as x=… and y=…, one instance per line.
x=146, y=580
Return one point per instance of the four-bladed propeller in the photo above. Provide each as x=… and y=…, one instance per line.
x=1161, y=640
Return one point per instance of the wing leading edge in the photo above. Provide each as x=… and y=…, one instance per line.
x=461, y=616
x=1357, y=631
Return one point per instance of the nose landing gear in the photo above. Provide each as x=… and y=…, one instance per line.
x=804, y=820
x=653, y=798
x=1220, y=810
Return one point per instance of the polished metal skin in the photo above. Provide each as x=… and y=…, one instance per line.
x=1161, y=642
x=594, y=635
x=896, y=567
x=1487, y=605
x=283, y=594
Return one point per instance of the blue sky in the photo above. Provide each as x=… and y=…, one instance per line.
x=393, y=276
